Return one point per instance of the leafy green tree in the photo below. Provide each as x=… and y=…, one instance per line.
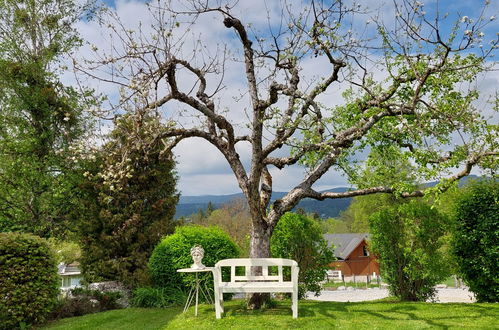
x=300, y=238
x=386, y=165
x=408, y=240
x=356, y=216
x=334, y=226
x=127, y=212
x=40, y=117
x=475, y=239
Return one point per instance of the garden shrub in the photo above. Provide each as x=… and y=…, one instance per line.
x=81, y=301
x=300, y=238
x=409, y=242
x=475, y=239
x=29, y=283
x=173, y=252
x=157, y=297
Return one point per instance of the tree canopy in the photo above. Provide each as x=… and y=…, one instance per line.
x=39, y=116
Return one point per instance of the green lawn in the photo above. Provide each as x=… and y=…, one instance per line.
x=312, y=315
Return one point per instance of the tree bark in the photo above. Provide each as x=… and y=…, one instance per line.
x=259, y=248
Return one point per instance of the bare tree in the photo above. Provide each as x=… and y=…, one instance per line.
x=407, y=93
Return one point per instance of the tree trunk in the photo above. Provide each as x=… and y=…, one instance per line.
x=259, y=248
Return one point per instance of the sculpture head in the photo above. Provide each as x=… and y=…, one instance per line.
x=197, y=253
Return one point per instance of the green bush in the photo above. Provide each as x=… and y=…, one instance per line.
x=29, y=283
x=157, y=297
x=80, y=301
x=409, y=242
x=300, y=238
x=475, y=242
x=173, y=252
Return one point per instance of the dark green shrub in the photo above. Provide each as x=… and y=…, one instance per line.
x=409, y=242
x=300, y=238
x=173, y=252
x=74, y=306
x=80, y=301
x=475, y=242
x=29, y=283
x=157, y=297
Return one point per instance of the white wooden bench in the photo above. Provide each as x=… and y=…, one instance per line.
x=247, y=283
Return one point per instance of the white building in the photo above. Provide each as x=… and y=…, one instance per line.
x=70, y=275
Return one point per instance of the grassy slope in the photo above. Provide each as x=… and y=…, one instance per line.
x=312, y=315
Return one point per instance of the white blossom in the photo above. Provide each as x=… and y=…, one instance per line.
x=465, y=19
x=468, y=32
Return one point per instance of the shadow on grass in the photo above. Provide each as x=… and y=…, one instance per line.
x=442, y=316
x=129, y=318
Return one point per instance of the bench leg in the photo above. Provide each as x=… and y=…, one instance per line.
x=294, y=307
x=222, y=302
x=218, y=308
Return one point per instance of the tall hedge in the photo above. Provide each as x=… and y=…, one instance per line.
x=29, y=283
x=476, y=237
x=173, y=253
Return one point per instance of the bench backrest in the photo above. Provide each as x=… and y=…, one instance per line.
x=264, y=263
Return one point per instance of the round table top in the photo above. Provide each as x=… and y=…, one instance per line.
x=195, y=270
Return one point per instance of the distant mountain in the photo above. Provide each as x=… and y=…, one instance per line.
x=328, y=208
x=188, y=205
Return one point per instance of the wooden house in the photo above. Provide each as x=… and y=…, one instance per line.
x=353, y=255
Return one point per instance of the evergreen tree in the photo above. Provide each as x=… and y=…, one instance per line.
x=127, y=212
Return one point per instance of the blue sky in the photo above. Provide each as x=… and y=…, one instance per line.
x=201, y=168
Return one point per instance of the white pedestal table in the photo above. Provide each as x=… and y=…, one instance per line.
x=194, y=292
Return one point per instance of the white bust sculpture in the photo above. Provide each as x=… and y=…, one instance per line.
x=197, y=253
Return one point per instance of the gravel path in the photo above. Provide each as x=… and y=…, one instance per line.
x=443, y=295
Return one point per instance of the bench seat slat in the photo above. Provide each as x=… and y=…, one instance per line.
x=256, y=278
x=257, y=287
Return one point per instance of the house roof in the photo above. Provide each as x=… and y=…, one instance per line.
x=67, y=270
x=344, y=244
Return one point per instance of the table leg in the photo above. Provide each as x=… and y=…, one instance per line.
x=189, y=299
x=197, y=294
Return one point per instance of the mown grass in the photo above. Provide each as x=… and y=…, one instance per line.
x=385, y=314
